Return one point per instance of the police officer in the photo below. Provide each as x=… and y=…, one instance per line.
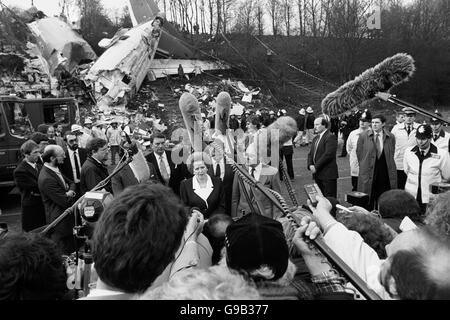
x=440, y=137
x=424, y=164
x=404, y=134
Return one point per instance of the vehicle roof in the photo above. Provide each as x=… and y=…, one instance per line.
x=14, y=98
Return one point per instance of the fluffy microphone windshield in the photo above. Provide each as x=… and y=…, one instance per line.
x=190, y=110
x=223, y=107
x=385, y=75
x=287, y=128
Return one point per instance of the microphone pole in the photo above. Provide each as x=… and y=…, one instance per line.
x=100, y=185
x=393, y=99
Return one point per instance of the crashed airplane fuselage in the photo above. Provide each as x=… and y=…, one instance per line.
x=119, y=72
x=60, y=45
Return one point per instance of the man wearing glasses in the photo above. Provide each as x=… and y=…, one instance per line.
x=94, y=168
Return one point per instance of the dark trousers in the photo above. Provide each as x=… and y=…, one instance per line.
x=328, y=187
x=354, y=183
x=401, y=179
x=344, y=145
x=287, y=152
x=381, y=182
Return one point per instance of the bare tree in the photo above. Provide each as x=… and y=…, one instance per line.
x=287, y=14
x=259, y=18
x=273, y=8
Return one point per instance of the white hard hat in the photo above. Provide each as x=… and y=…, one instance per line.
x=284, y=111
x=75, y=127
x=203, y=115
x=88, y=121
x=309, y=110
x=302, y=111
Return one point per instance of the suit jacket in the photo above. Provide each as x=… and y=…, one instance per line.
x=269, y=178
x=215, y=201
x=325, y=157
x=33, y=212
x=178, y=172
x=126, y=178
x=56, y=201
x=91, y=174
x=66, y=168
x=227, y=184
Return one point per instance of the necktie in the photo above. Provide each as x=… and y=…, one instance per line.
x=436, y=137
x=408, y=129
x=163, y=170
x=77, y=165
x=377, y=142
x=253, y=172
x=218, y=170
x=422, y=154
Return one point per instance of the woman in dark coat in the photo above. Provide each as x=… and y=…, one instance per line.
x=202, y=191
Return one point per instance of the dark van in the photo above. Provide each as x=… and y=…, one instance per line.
x=19, y=118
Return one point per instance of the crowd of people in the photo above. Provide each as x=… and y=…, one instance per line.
x=195, y=230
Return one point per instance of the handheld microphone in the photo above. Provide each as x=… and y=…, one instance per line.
x=190, y=110
x=223, y=107
x=381, y=78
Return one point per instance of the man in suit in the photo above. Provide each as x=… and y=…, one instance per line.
x=74, y=160
x=322, y=158
x=58, y=194
x=219, y=168
x=267, y=175
x=42, y=140
x=26, y=178
x=377, y=168
x=94, y=168
x=167, y=172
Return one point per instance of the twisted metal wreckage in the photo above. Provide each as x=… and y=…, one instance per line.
x=53, y=52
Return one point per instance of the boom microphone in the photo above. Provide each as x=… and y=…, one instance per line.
x=381, y=78
x=286, y=126
x=190, y=110
x=223, y=107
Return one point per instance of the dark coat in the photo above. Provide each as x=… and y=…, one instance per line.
x=233, y=124
x=66, y=168
x=53, y=193
x=178, y=172
x=92, y=172
x=227, y=184
x=325, y=160
x=310, y=121
x=300, y=119
x=216, y=200
x=366, y=152
x=33, y=211
x=126, y=178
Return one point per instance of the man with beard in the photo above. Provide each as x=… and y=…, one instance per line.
x=94, y=168
x=58, y=194
x=74, y=160
x=424, y=164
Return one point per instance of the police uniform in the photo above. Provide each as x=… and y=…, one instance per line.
x=440, y=139
x=404, y=138
x=424, y=167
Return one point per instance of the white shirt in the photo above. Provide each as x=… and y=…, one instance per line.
x=56, y=170
x=442, y=141
x=203, y=192
x=165, y=161
x=222, y=167
x=380, y=139
x=33, y=165
x=72, y=163
x=258, y=170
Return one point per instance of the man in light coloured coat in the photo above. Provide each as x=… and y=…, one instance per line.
x=352, y=141
x=404, y=134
